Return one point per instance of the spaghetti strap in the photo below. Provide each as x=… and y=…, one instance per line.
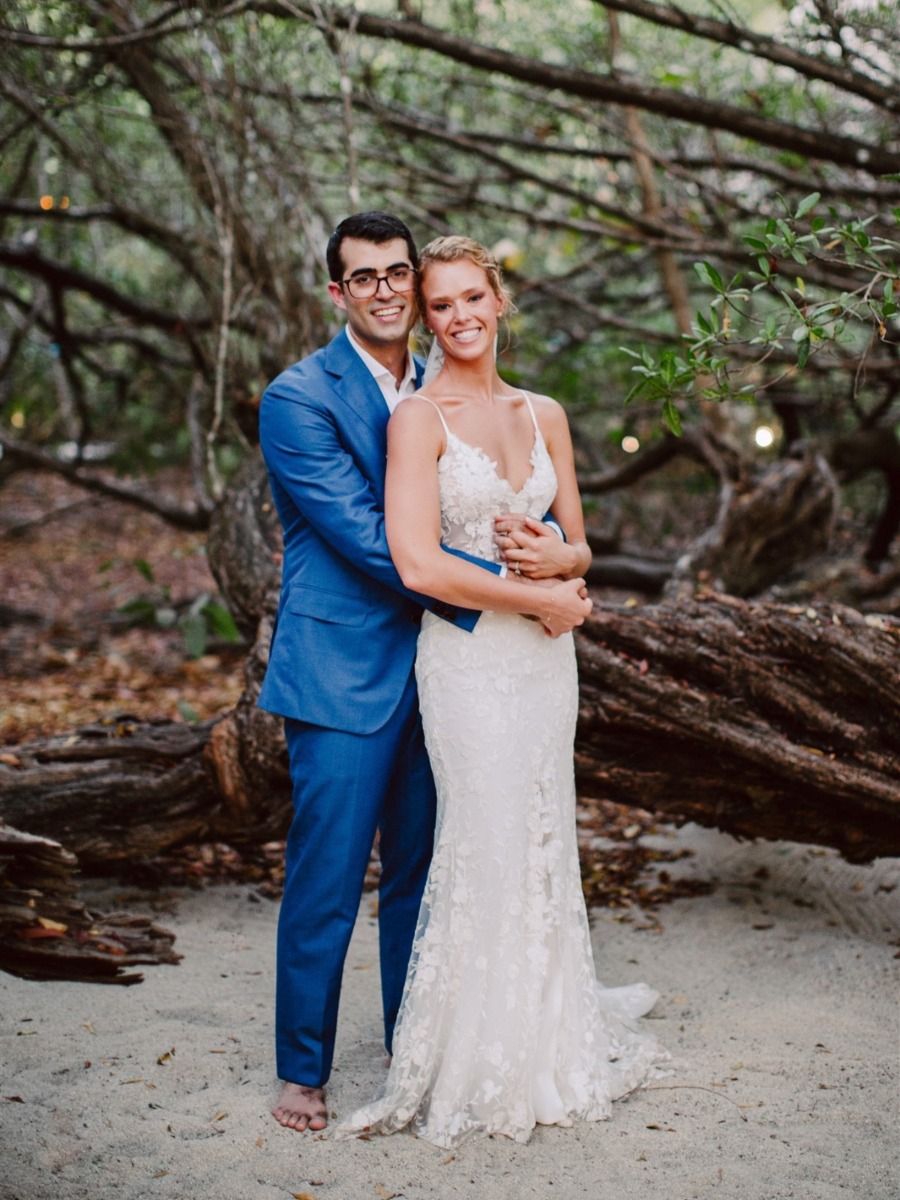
x=437, y=410
x=525, y=397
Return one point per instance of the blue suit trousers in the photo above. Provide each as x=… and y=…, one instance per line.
x=345, y=787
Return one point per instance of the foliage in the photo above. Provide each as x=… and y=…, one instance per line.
x=197, y=622
x=845, y=296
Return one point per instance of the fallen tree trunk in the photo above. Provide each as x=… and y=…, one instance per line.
x=762, y=720
x=123, y=791
x=758, y=719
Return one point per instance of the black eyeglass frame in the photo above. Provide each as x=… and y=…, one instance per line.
x=378, y=278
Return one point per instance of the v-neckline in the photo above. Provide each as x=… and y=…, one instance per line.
x=492, y=463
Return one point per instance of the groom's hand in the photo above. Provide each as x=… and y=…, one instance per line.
x=568, y=605
x=533, y=549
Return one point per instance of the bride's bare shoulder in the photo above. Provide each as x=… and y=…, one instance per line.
x=418, y=417
x=545, y=407
x=539, y=400
x=416, y=407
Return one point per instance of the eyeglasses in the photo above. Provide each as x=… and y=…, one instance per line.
x=365, y=284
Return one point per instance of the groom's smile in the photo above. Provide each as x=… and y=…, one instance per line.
x=385, y=315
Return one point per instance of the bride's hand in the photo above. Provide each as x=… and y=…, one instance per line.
x=533, y=549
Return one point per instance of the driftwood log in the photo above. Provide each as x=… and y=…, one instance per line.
x=46, y=933
x=763, y=720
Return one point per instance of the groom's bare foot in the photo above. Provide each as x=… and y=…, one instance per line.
x=299, y=1107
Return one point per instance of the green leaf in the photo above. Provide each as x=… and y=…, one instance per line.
x=792, y=306
x=221, y=622
x=141, y=564
x=765, y=266
x=710, y=275
x=140, y=609
x=190, y=714
x=672, y=417
x=193, y=630
x=808, y=203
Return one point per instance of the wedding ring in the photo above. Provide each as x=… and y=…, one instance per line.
x=518, y=569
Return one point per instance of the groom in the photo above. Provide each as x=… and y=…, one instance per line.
x=341, y=663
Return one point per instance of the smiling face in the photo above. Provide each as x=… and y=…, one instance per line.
x=384, y=320
x=460, y=307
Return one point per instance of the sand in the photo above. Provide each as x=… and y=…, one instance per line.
x=779, y=1000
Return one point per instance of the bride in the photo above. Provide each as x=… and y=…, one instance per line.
x=503, y=1024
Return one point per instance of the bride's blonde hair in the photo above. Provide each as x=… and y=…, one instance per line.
x=455, y=247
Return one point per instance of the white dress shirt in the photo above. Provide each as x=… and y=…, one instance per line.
x=385, y=378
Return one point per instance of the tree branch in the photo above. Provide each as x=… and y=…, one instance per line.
x=726, y=33
x=192, y=519
x=619, y=89
x=61, y=275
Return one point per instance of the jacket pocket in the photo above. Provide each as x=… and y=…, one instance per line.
x=337, y=608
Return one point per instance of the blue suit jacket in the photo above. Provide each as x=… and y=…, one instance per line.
x=345, y=635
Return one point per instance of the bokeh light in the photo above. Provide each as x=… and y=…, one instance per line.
x=764, y=436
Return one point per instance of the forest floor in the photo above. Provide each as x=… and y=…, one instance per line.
x=69, y=561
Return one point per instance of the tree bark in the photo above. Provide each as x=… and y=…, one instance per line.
x=763, y=720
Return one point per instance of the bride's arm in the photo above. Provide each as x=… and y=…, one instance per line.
x=413, y=525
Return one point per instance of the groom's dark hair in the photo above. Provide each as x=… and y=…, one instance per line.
x=377, y=227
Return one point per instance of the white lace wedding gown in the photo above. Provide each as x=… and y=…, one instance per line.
x=503, y=1024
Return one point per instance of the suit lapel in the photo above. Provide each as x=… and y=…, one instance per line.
x=354, y=384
